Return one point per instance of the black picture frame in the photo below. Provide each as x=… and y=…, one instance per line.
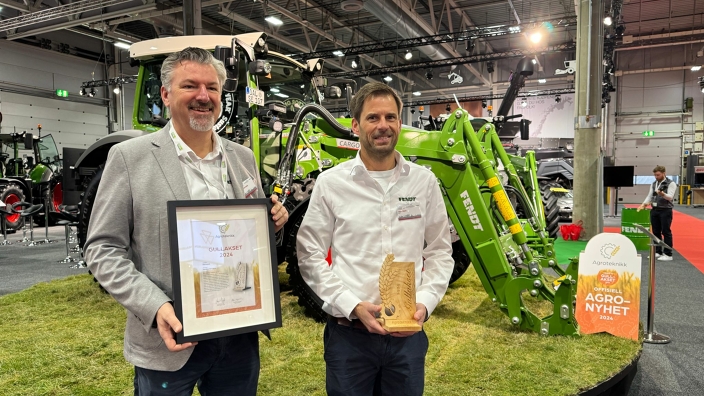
x=218, y=306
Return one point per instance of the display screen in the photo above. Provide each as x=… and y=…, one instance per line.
x=618, y=176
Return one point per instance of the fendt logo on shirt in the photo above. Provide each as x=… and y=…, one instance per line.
x=406, y=199
x=470, y=211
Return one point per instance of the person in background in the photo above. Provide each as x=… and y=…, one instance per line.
x=127, y=247
x=364, y=209
x=660, y=197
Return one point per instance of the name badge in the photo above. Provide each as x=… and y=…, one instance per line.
x=249, y=187
x=654, y=204
x=408, y=211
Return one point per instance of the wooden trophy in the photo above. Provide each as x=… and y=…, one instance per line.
x=397, y=286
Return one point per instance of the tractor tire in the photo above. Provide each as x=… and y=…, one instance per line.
x=85, y=208
x=552, y=211
x=312, y=304
x=9, y=194
x=90, y=190
x=462, y=262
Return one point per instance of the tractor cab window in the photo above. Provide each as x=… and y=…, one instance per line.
x=287, y=87
x=151, y=106
x=47, y=152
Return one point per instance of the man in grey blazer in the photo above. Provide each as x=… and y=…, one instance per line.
x=127, y=248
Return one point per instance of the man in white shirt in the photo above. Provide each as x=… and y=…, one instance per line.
x=660, y=197
x=127, y=248
x=356, y=211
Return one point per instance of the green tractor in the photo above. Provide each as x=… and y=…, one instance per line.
x=30, y=177
x=271, y=103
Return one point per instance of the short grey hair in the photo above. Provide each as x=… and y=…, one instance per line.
x=373, y=90
x=192, y=54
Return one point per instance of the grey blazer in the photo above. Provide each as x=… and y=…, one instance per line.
x=127, y=247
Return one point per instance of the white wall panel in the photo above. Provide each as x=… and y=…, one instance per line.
x=72, y=124
x=651, y=94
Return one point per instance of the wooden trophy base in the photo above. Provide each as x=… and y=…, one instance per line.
x=397, y=325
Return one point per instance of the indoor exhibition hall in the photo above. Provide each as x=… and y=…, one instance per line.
x=351, y=197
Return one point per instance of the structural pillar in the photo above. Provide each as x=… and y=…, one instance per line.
x=588, y=157
x=192, y=22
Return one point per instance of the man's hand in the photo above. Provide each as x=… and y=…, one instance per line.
x=366, y=312
x=419, y=316
x=661, y=193
x=168, y=324
x=641, y=207
x=278, y=213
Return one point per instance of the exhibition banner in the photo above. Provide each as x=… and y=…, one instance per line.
x=608, y=290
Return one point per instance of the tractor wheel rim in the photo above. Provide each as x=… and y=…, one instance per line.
x=9, y=200
x=57, y=197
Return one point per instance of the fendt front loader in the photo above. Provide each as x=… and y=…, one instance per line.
x=271, y=103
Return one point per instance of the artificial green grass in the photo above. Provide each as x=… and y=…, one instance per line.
x=65, y=338
x=565, y=250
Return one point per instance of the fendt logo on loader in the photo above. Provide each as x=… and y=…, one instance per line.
x=470, y=211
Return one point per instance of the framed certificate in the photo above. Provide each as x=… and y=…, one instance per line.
x=223, y=266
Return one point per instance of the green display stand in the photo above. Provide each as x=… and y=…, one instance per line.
x=630, y=217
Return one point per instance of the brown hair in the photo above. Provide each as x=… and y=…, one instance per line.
x=373, y=90
x=659, y=168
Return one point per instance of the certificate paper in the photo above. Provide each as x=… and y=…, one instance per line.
x=224, y=268
x=222, y=254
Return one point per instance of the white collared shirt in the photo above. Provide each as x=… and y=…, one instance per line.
x=669, y=194
x=353, y=214
x=203, y=175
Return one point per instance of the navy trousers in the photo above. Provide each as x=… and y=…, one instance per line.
x=221, y=366
x=661, y=219
x=359, y=363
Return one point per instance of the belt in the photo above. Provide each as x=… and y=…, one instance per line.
x=356, y=323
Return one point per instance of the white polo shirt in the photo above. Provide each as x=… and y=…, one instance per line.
x=363, y=221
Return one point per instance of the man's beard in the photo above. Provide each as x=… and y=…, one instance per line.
x=379, y=152
x=202, y=123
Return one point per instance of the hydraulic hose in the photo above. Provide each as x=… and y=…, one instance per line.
x=284, y=175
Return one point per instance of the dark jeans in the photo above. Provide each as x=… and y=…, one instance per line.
x=661, y=219
x=221, y=366
x=357, y=362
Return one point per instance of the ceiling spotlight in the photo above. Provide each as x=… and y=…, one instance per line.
x=416, y=93
x=608, y=21
x=696, y=68
x=274, y=20
x=116, y=90
x=388, y=78
x=469, y=45
x=122, y=44
x=534, y=61
x=448, y=108
x=82, y=92
x=490, y=67
x=558, y=99
x=408, y=55
x=356, y=61
x=429, y=74
x=542, y=81
x=524, y=103
x=91, y=93
x=483, y=103
x=338, y=53
x=535, y=37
